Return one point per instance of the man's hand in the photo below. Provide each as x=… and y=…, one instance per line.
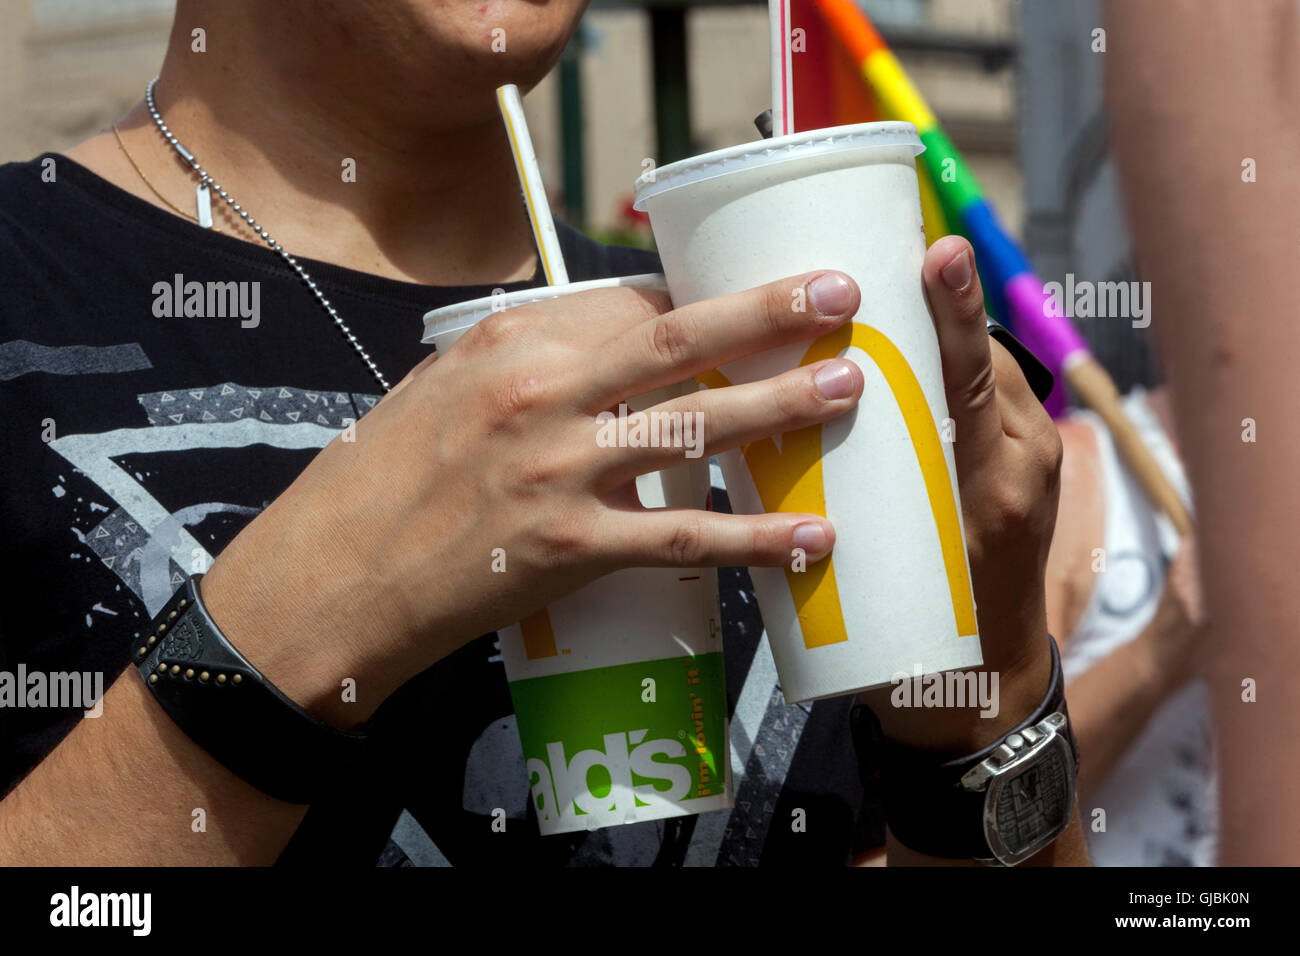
x=1008, y=469
x=384, y=545
x=376, y=562
x=1008, y=466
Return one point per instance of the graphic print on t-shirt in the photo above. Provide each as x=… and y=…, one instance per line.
x=151, y=549
x=148, y=545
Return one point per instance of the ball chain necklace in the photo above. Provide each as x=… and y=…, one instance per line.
x=152, y=188
x=207, y=185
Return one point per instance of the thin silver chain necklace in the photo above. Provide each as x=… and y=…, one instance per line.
x=203, y=198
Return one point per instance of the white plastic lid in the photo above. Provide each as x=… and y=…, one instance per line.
x=763, y=152
x=465, y=315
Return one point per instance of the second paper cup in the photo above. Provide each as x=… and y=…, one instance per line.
x=619, y=689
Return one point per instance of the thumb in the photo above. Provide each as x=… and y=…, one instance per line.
x=956, y=300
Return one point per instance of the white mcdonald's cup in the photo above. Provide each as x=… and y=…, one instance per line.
x=896, y=594
x=619, y=689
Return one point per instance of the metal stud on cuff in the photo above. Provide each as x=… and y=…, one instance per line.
x=174, y=670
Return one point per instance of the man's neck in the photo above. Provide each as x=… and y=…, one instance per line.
x=387, y=192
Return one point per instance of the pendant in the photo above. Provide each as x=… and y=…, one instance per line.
x=204, y=200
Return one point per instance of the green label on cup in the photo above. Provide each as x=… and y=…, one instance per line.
x=628, y=742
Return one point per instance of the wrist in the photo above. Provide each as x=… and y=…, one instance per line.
x=1003, y=801
x=1006, y=695
x=223, y=703
x=294, y=627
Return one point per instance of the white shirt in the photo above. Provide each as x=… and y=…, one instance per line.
x=1160, y=800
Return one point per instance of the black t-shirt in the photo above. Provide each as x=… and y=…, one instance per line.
x=139, y=441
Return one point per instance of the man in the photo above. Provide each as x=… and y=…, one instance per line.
x=362, y=563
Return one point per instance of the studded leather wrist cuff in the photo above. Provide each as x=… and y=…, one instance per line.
x=228, y=708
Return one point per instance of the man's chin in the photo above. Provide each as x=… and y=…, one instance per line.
x=524, y=67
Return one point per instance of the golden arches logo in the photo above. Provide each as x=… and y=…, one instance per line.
x=790, y=479
x=539, y=636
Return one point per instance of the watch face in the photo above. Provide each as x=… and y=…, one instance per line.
x=1033, y=804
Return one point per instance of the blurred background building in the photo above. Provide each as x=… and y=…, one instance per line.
x=72, y=67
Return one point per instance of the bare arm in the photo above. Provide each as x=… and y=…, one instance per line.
x=1202, y=99
x=354, y=573
x=122, y=790
x=1114, y=698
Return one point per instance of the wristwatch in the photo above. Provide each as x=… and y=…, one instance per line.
x=999, y=806
x=228, y=708
x=1039, y=376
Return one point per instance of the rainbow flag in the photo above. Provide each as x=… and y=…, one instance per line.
x=1013, y=293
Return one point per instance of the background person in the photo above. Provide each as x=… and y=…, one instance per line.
x=1207, y=165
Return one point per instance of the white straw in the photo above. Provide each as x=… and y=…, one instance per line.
x=530, y=180
x=778, y=19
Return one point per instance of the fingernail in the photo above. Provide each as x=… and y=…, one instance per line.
x=811, y=538
x=830, y=294
x=834, y=380
x=956, y=274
